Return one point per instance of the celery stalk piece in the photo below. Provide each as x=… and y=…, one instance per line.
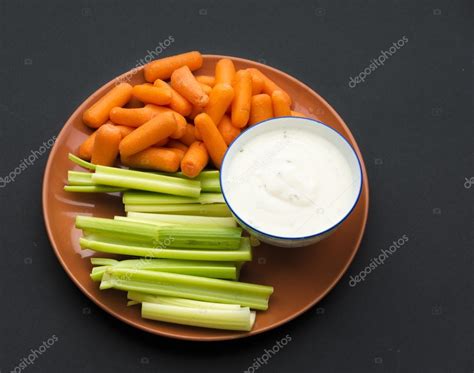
x=215, y=209
x=147, y=181
x=79, y=178
x=104, y=262
x=223, y=270
x=124, y=218
x=210, y=181
x=182, y=302
x=81, y=162
x=148, y=198
x=92, y=189
x=189, y=287
x=206, y=318
x=243, y=254
x=148, y=234
x=184, y=219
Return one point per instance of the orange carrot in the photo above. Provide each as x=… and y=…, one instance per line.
x=196, y=110
x=180, y=120
x=180, y=129
x=195, y=159
x=183, y=81
x=156, y=129
x=261, y=108
x=242, y=98
x=188, y=138
x=257, y=82
x=106, y=145
x=98, y=113
x=164, y=67
x=206, y=79
x=227, y=130
x=134, y=117
x=162, y=142
x=179, y=152
x=269, y=85
x=178, y=103
x=152, y=95
x=125, y=130
x=197, y=134
x=212, y=138
x=206, y=88
x=85, y=150
x=225, y=71
x=219, y=100
x=280, y=104
x=158, y=159
x=177, y=145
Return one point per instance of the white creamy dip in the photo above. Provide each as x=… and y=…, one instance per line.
x=291, y=181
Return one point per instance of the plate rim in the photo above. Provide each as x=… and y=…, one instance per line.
x=105, y=307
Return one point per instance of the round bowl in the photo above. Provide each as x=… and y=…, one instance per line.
x=313, y=272
x=233, y=177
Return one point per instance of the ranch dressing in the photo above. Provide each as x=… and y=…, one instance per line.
x=289, y=183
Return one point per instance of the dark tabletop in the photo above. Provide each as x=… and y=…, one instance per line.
x=412, y=118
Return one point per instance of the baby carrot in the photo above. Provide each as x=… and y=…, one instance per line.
x=242, y=98
x=134, y=117
x=195, y=159
x=156, y=129
x=212, y=138
x=206, y=79
x=152, y=95
x=85, y=150
x=219, y=100
x=197, y=134
x=164, y=67
x=280, y=104
x=261, y=108
x=225, y=71
x=179, y=152
x=106, y=145
x=176, y=144
x=188, y=138
x=178, y=103
x=196, y=110
x=180, y=120
x=125, y=130
x=98, y=113
x=227, y=130
x=269, y=85
x=257, y=82
x=206, y=88
x=159, y=159
x=162, y=142
x=183, y=81
x=180, y=129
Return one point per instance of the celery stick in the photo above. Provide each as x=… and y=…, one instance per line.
x=81, y=162
x=147, y=181
x=79, y=178
x=124, y=218
x=147, y=198
x=224, y=270
x=243, y=254
x=184, y=219
x=185, y=286
x=216, y=209
x=207, y=318
x=103, y=262
x=210, y=181
x=92, y=189
x=182, y=302
x=199, y=237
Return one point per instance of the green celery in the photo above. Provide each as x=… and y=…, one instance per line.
x=243, y=254
x=183, y=219
x=147, y=198
x=124, y=218
x=104, y=262
x=173, y=301
x=92, y=189
x=81, y=162
x=185, y=286
x=147, y=181
x=79, y=178
x=216, y=209
x=241, y=319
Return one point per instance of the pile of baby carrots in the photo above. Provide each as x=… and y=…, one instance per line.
x=178, y=120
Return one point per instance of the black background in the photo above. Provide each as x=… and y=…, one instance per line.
x=412, y=119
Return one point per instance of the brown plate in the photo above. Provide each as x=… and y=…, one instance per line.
x=301, y=277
